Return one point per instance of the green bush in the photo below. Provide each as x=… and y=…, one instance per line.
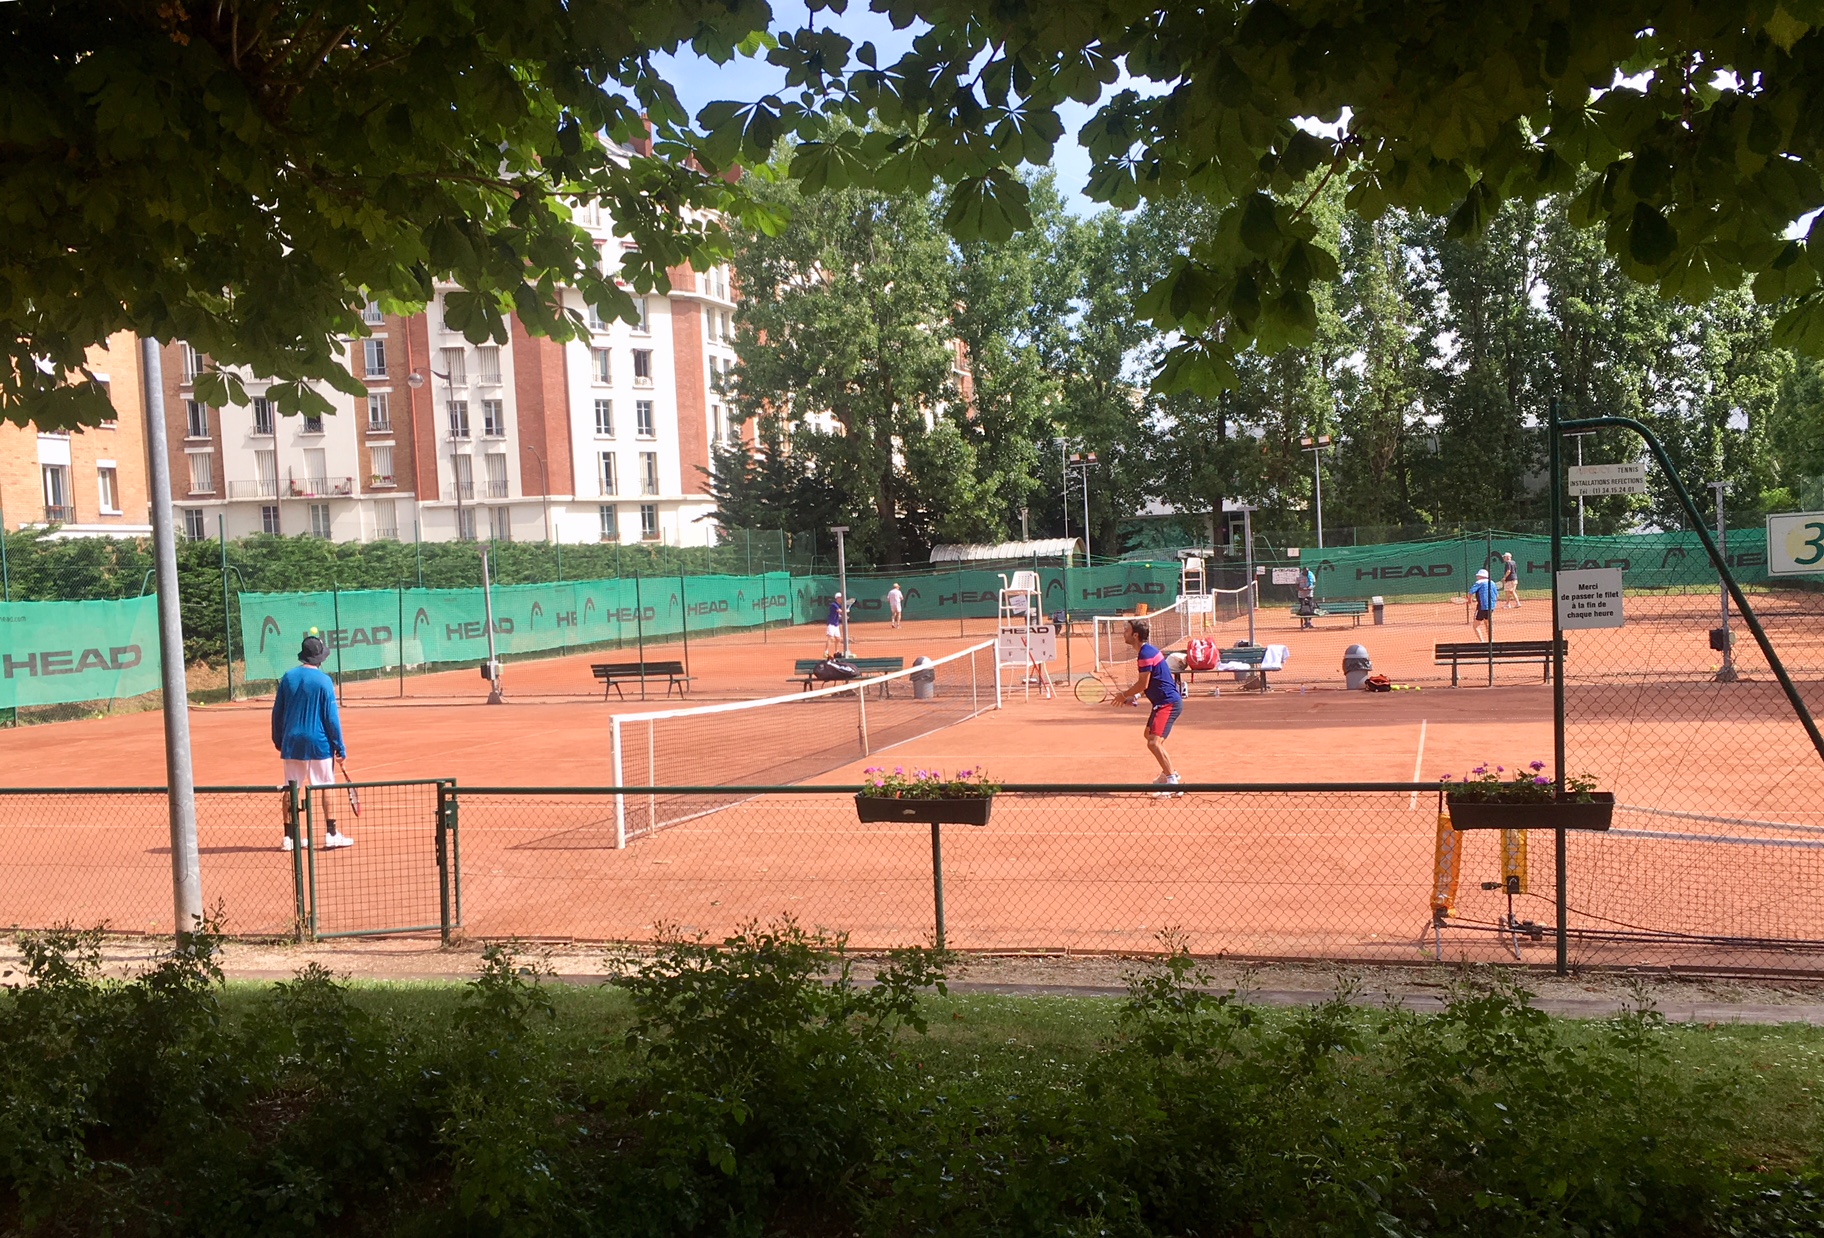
x=762, y=1086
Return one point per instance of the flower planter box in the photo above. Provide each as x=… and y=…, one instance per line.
x=970, y=810
x=1474, y=814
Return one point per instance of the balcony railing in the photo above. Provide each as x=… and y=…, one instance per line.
x=264, y=488
x=382, y=426
x=381, y=481
x=465, y=489
x=59, y=513
x=318, y=487
x=497, y=490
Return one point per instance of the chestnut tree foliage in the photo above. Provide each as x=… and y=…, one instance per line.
x=242, y=174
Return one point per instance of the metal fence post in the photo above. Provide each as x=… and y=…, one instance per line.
x=310, y=858
x=456, y=851
x=443, y=861
x=1559, y=846
x=298, y=839
x=937, y=880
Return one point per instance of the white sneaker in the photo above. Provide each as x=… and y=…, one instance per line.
x=1168, y=780
x=338, y=840
x=286, y=845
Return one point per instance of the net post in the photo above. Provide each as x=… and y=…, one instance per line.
x=456, y=851
x=620, y=797
x=937, y=881
x=305, y=842
x=652, y=773
x=861, y=701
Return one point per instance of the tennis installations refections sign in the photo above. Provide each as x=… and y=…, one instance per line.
x=1795, y=544
x=1593, y=480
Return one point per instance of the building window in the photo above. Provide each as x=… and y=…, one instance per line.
x=194, y=526
x=594, y=316
x=718, y=424
x=642, y=418
x=642, y=367
x=456, y=367
x=193, y=363
x=266, y=469
x=487, y=359
x=375, y=351
x=493, y=419
x=459, y=419
x=497, y=474
x=57, y=509
x=262, y=415
x=601, y=366
x=611, y=522
x=500, y=524
x=649, y=472
x=379, y=413
x=316, y=469
x=319, y=520
x=649, y=522
x=608, y=475
x=380, y=458
x=269, y=518
x=107, y=485
x=370, y=314
x=196, y=419
x=465, y=524
x=465, y=477
x=640, y=324
x=313, y=425
x=604, y=418
x=202, y=473
x=386, y=520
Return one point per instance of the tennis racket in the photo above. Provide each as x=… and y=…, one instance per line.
x=354, y=796
x=1098, y=689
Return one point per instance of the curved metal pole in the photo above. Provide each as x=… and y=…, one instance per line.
x=1716, y=557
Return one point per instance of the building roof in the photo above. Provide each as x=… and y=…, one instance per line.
x=1044, y=548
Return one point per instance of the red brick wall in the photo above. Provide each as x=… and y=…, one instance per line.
x=693, y=395
x=541, y=390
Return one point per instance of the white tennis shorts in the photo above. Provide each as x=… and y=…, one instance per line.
x=832, y=630
x=311, y=773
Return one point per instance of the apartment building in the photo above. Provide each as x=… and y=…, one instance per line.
x=89, y=482
x=605, y=438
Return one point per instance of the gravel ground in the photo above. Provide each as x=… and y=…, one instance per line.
x=1706, y=999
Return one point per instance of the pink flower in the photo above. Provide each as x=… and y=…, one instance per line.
x=1536, y=766
x=1541, y=780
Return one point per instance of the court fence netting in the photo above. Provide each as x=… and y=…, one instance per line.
x=1340, y=872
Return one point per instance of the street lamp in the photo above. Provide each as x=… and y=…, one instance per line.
x=1080, y=464
x=544, y=484
x=1317, y=446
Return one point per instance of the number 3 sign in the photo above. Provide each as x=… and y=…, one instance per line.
x=1795, y=543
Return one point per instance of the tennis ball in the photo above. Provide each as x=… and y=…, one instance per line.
x=313, y=632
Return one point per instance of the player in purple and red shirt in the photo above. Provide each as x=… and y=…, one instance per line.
x=1160, y=687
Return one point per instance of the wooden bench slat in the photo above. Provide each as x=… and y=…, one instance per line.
x=1457, y=652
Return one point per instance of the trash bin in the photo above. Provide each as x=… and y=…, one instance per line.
x=1379, y=606
x=924, y=679
x=1356, y=667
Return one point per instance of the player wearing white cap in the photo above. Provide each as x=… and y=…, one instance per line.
x=1484, y=595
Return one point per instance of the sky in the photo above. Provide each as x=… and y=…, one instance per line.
x=699, y=81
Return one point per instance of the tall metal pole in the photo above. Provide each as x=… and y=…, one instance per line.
x=1247, y=537
x=1727, y=674
x=1089, y=556
x=1559, y=849
x=6, y=574
x=180, y=777
x=684, y=622
x=842, y=580
x=487, y=600
x=1317, y=473
x=221, y=528
x=1064, y=476
x=1580, y=439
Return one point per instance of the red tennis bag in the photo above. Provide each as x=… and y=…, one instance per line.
x=1201, y=654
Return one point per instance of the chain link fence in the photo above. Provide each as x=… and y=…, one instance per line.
x=1336, y=872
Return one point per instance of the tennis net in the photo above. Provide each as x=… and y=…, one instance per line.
x=785, y=739
x=1170, y=626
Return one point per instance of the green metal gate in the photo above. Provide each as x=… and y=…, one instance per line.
x=400, y=871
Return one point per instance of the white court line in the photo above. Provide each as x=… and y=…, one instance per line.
x=1417, y=762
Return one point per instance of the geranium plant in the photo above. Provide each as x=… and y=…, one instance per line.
x=1528, y=784
x=899, y=783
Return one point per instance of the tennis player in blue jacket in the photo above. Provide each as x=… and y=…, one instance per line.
x=307, y=730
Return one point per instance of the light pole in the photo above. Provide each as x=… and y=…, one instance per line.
x=1080, y=464
x=842, y=581
x=544, y=485
x=1064, y=477
x=1727, y=673
x=1317, y=447
x=1579, y=435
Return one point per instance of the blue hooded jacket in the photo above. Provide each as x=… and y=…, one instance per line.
x=305, y=724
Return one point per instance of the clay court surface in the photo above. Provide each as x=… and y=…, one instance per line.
x=1722, y=836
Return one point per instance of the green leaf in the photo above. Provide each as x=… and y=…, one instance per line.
x=987, y=208
x=1260, y=225
x=1801, y=328
x=1651, y=239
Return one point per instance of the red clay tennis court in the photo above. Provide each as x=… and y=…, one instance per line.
x=1715, y=859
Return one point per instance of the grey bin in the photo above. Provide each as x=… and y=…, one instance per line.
x=924, y=679
x=1379, y=605
x=1356, y=667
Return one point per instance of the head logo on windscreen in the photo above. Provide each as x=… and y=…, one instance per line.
x=268, y=627
x=423, y=617
x=538, y=612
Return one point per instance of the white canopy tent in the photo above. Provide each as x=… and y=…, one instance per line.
x=1008, y=552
